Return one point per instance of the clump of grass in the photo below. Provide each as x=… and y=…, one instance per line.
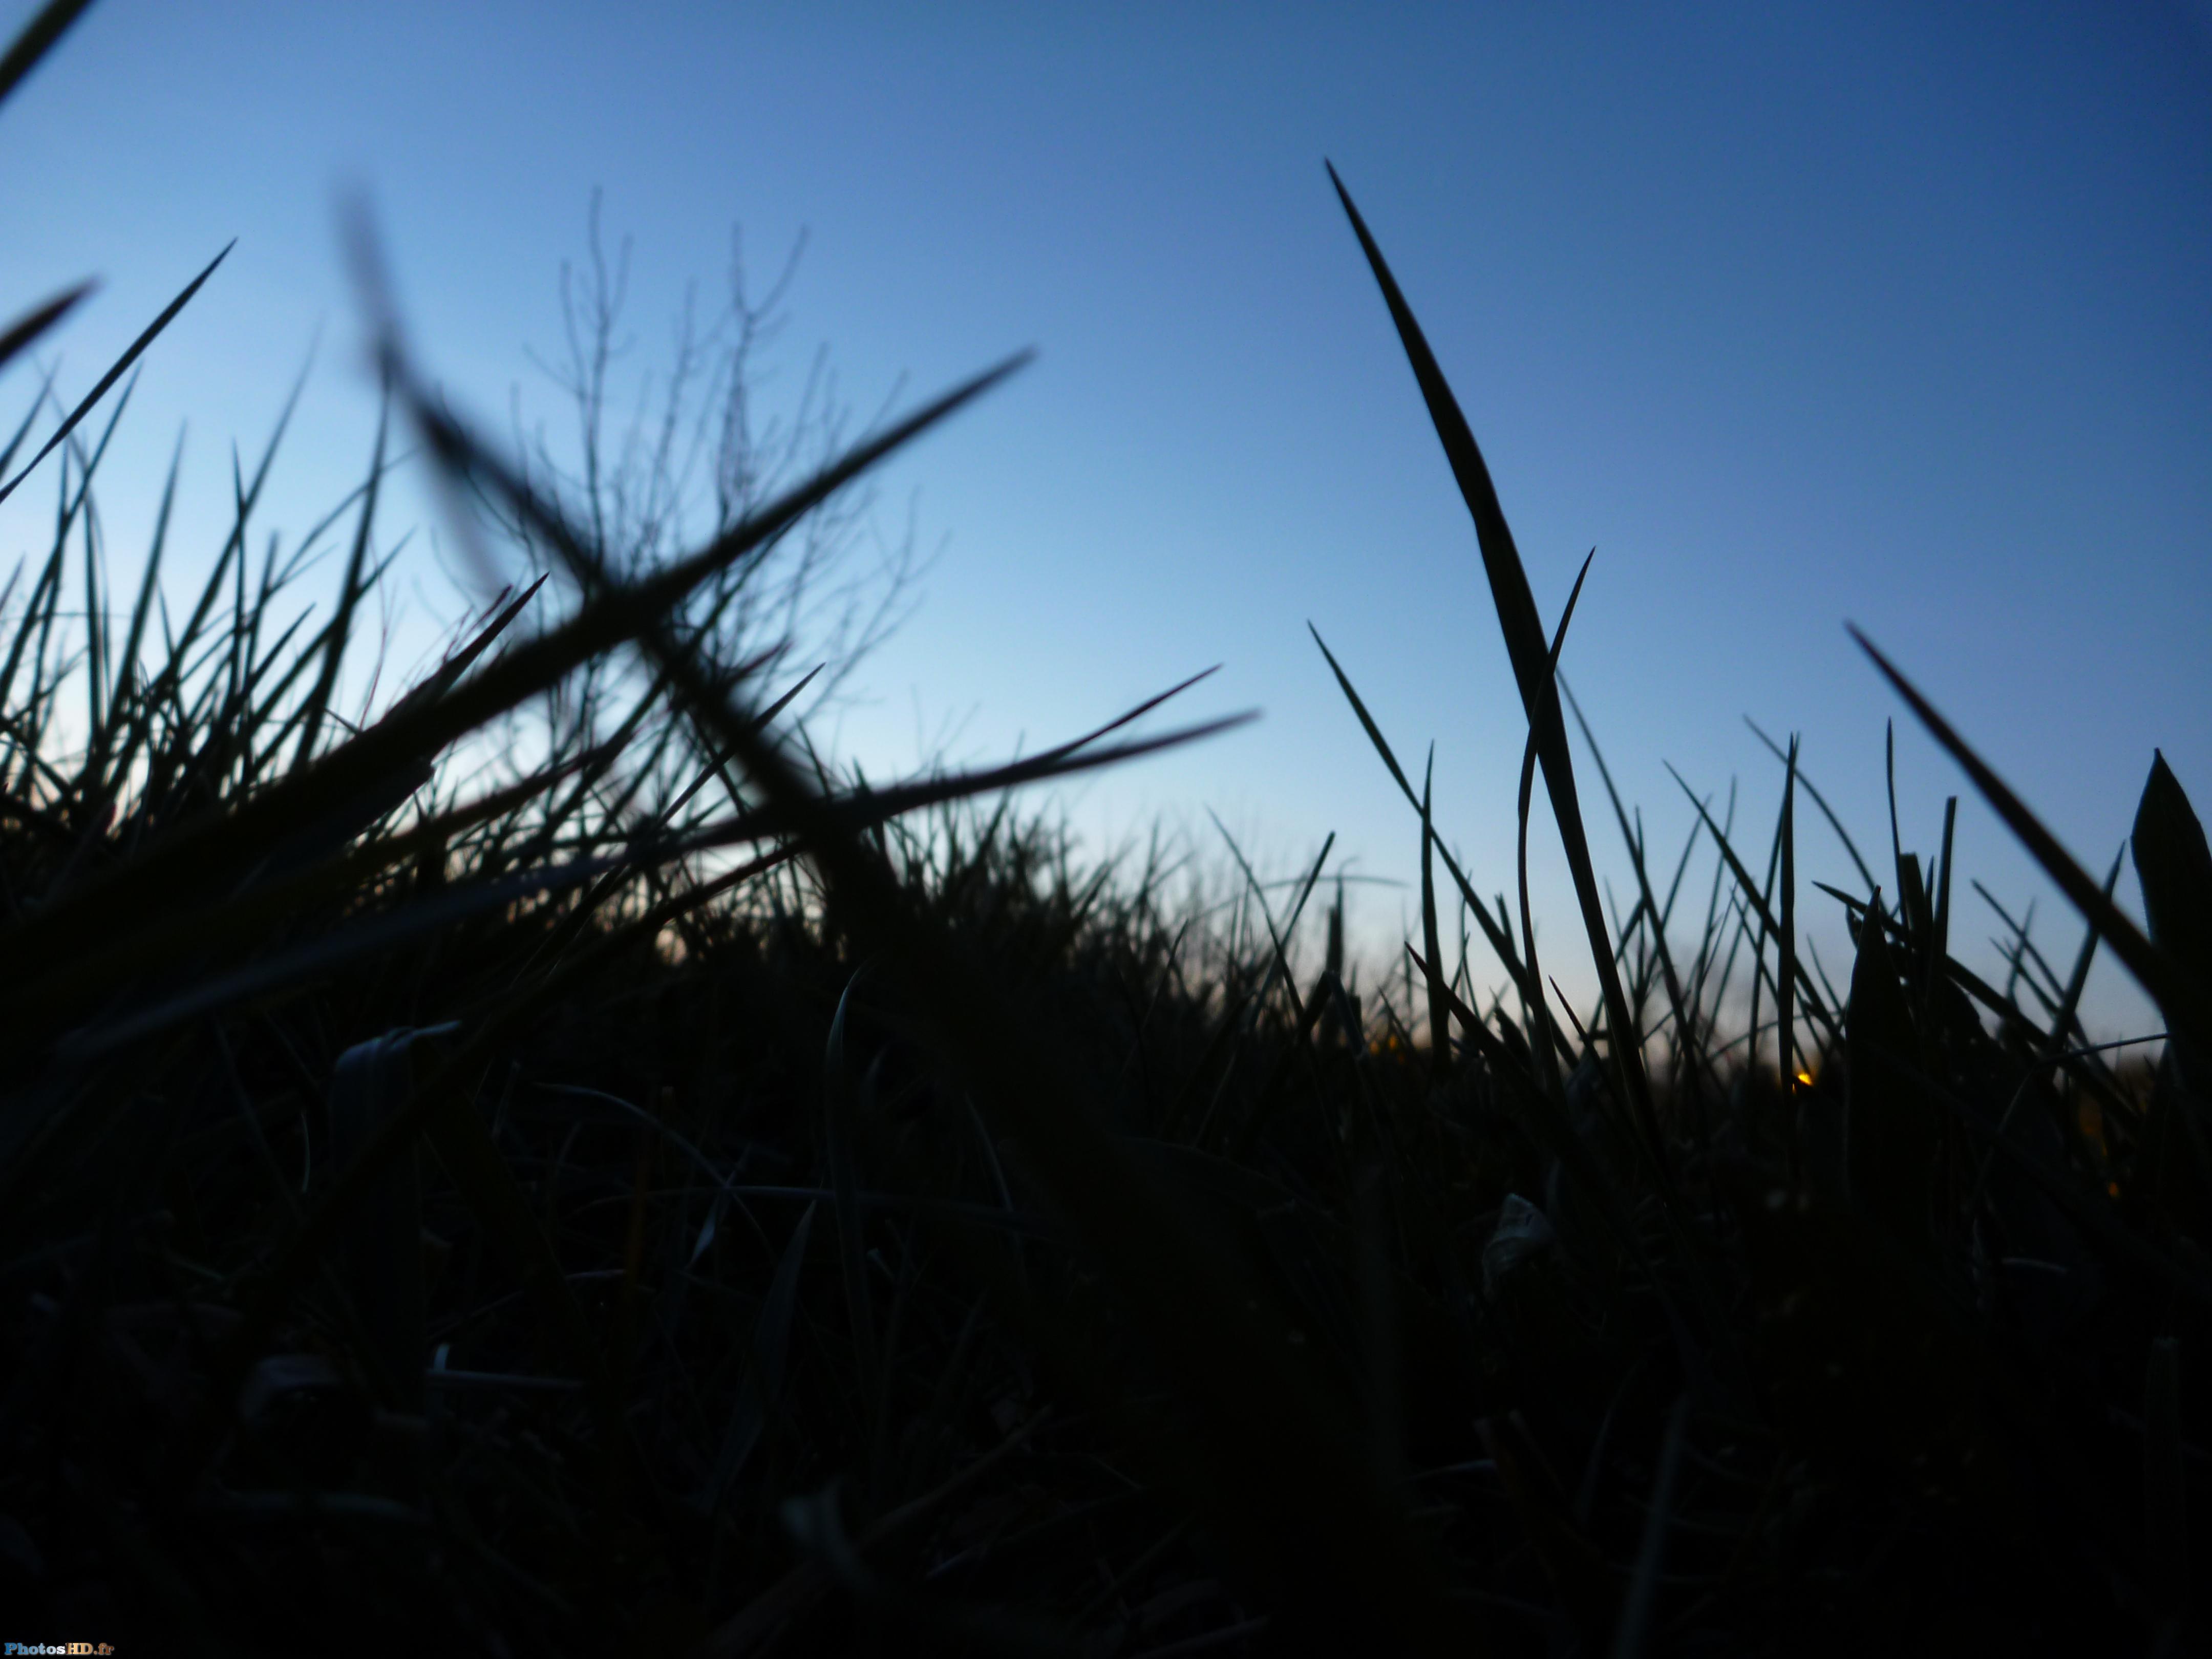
x=678, y=1195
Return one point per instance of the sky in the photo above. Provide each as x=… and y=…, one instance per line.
x=1893, y=314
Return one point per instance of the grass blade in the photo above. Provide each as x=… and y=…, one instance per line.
x=121, y=364
x=1439, y=1011
x=24, y=333
x=1525, y=645
x=36, y=40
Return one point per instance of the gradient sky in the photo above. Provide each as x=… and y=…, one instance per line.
x=1897, y=314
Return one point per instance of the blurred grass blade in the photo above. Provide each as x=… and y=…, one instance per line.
x=2179, y=992
x=324, y=955
x=21, y=334
x=117, y=371
x=36, y=40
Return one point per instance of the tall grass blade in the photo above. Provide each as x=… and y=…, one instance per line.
x=1525, y=645
x=1439, y=1010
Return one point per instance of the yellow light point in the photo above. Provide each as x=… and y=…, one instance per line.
x=1805, y=1078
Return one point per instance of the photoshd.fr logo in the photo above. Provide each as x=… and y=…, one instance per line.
x=10, y=1649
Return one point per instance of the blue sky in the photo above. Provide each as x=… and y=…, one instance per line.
x=1901, y=315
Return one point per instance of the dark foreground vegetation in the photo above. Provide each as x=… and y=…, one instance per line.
x=654, y=1194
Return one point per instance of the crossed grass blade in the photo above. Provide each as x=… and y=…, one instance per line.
x=222, y=845
x=1539, y=1012
x=1758, y=907
x=1676, y=1002
x=1494, y=929
x=1524, y=643
x=1282, y=1479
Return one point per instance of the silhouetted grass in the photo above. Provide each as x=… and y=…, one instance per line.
x=670, y=1194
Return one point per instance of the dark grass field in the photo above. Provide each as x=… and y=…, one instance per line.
x=651, y=1191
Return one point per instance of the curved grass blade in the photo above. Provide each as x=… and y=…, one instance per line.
x=1539, y=1012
